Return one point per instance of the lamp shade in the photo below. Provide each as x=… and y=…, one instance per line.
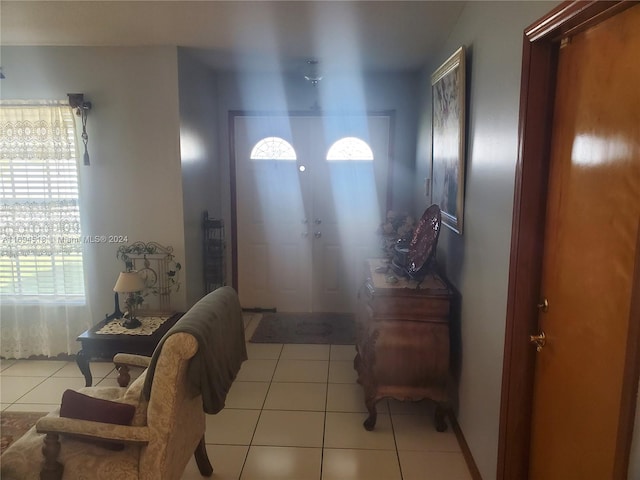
x=129, y=282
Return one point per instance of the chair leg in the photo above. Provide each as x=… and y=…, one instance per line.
x=52, y=469
x=202, y=459
x=123, y=375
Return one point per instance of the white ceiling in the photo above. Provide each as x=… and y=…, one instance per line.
x=244, y=35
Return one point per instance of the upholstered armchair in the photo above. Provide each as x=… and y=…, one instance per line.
x=168, y=423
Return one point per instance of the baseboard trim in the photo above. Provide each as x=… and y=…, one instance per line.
x=466, y=452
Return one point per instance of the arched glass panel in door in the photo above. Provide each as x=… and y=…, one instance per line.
x=350, y=148
x=273, y=148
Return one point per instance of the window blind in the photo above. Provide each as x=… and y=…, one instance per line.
x=40, y=237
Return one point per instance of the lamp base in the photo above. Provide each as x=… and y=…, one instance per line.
x=116, y=312
x=131, y=323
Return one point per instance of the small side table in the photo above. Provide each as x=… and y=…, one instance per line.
x=100, y=345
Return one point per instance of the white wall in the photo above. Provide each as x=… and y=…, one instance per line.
x=478, y=261
x=200, y=162
x=133, y=185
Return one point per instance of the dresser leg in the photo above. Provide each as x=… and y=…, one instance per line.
x=357, y=366
x=123, y=375
x=440, y=418
x=370, y=422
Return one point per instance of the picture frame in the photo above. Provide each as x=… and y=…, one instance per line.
x=448, y=139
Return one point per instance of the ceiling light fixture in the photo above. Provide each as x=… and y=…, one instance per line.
x=313, y=76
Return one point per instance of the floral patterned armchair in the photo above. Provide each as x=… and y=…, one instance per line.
x=165, y=430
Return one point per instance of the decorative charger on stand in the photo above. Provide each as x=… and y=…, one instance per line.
x=418, y=258
x=159, y=270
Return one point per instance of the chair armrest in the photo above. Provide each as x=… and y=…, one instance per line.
x=131, y=360
x=93, y=430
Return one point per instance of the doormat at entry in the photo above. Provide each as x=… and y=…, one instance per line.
x=316, y=327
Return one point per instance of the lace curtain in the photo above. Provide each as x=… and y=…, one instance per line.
x=42, y=299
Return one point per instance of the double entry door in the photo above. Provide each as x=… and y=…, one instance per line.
x=310, y=194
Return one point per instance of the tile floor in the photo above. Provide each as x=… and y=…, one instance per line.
x=295, y=412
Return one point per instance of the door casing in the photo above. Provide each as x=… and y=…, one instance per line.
x=539, y=60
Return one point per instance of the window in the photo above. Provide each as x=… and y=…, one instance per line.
x=273, y=148
x=350, y=148
x=40, y=240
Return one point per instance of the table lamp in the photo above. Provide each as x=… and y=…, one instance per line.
x=130, y=283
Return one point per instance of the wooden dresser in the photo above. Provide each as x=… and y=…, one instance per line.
x=402, y=341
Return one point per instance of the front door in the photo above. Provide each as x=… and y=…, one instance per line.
x=590, y=248
x=311, y=191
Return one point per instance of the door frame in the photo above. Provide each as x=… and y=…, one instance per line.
x=292, y=113
x=539, y=62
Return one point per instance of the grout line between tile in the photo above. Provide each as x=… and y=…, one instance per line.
x=31, y=389
x=255, y=428
x=395, y=441
x=326, y=404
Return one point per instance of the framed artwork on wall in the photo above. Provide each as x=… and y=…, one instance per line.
x=448, y=139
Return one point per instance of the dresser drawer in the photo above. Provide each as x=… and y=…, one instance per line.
x=416, y=309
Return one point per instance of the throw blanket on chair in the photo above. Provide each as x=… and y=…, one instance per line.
x=216, y=323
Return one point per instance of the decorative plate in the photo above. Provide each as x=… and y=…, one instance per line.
x=425, y=239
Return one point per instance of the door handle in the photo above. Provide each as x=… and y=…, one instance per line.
x=543, y=306
x=317, y=221
x=317, y=234
x=538, y=340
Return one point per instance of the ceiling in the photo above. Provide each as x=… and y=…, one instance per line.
x=245, y=35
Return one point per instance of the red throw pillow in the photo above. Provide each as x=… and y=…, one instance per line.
x=83, y=407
